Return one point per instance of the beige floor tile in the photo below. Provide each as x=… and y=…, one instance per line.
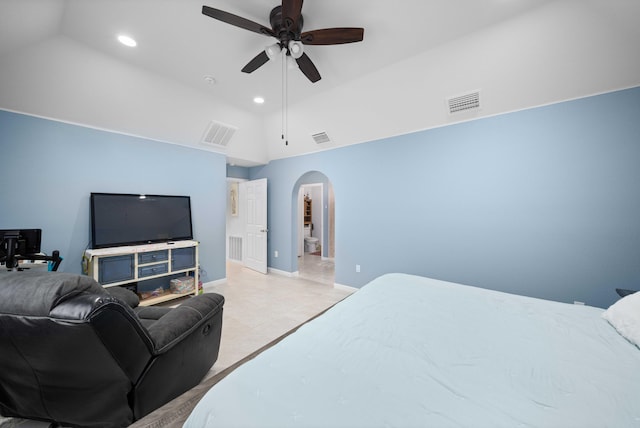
x=260, y=308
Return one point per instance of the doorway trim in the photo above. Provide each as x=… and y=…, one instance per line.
x=321, y=237
x=328, y=210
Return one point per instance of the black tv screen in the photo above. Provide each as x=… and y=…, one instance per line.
x=126, y=219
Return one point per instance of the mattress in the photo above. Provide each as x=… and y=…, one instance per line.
x=409, y=351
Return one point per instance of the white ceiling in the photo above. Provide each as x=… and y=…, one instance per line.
x=60, y=59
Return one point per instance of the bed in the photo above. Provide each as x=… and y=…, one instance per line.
x=409, y=351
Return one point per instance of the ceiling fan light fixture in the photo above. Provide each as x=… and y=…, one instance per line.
x=272, y=50
x=295, y=48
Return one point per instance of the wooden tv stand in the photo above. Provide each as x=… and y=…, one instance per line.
x=145, y=268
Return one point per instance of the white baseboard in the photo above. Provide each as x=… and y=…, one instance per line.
x=210, y=286
x=282, y=272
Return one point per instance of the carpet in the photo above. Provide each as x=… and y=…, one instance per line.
x=22, y=423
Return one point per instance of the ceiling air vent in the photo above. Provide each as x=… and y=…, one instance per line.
x=321, y=137
x=218, y=134
x=464, y=102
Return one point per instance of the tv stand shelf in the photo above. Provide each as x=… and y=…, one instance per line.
x=145, y=268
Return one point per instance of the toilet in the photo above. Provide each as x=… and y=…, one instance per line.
x=310, y=244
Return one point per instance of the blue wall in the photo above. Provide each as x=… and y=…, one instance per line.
x=543, y=202
x=48, y=170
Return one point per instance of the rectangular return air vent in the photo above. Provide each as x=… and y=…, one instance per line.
x=218, y=134
x=466, y=102
x=235, y=248
x=321, y=137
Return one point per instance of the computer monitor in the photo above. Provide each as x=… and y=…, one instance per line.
x=20, y=243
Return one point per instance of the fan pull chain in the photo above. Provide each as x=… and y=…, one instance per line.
x=285, y=121
x=283, y=106
x=286, y=85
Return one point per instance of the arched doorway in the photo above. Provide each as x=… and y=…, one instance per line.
x=313, y=212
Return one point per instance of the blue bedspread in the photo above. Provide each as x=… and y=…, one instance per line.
x=407, y=351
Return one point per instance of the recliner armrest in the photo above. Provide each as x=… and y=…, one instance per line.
x=183, y=320
x=127, y=296
x=116, y=325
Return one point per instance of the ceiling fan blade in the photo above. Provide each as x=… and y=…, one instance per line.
x=332, y=36
x=236, y=20
x=256, y=62
x=307, y=67
x=291, y=13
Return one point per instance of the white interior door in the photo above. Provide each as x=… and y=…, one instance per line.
x=256, y=230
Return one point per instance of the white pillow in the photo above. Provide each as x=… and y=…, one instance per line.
x=624, y=316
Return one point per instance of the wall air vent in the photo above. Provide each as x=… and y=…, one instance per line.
x=321, y=137
x=218, y=134
x=465, y=102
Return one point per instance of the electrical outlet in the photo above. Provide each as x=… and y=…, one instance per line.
x=275, y=253
x=358, y=268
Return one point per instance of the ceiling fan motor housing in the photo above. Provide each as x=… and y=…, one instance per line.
x=281, y=30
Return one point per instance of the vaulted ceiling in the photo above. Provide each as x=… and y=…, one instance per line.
x=60, y=59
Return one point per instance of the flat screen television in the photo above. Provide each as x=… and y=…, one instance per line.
x=119, y=219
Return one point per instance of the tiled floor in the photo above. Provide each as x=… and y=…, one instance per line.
x=259, y=308
x=316, y=269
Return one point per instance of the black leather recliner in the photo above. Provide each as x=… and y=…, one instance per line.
x=72, y=353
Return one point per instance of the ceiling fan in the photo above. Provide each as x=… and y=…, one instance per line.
x=286, y=26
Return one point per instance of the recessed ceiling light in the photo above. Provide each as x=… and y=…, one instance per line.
x=127, y=41
x=258, y=100
x=210, y=80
